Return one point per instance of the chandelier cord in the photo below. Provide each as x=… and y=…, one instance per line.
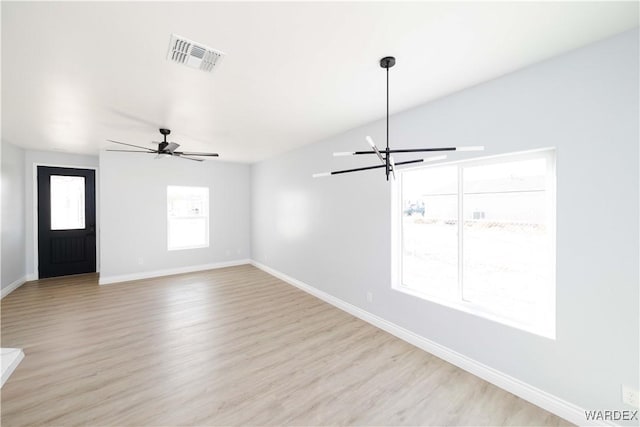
x=387, y=153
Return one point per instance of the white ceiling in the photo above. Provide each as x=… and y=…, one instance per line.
x=77, y=73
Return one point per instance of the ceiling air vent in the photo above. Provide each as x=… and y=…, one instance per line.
x=192, y=54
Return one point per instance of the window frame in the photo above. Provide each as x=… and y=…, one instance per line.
x=460, y=304
x=206, y=217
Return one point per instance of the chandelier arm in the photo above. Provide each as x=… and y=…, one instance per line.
x=422, y=150
x=374, y=167
x=356, y=169
x=375, y=148
x=410, y=150
x=393, y=166
x=380, y=156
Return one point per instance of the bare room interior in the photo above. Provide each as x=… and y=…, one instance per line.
x=320, y=213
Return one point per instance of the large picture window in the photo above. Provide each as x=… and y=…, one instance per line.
x=479, y=235
x=187, y=217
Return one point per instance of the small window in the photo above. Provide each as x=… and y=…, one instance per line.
x=67, y=202
x=480, y=236
x=187, y=217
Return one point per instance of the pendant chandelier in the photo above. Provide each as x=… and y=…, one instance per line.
x=385, y=156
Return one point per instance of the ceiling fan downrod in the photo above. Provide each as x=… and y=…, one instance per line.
x=164, y=143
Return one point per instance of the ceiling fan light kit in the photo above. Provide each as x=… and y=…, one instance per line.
x=385, y=156
x=165, y=149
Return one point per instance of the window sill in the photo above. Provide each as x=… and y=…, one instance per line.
x=545, y=332
x=181, y=248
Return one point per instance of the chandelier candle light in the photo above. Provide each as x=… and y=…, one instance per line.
x=385, y=157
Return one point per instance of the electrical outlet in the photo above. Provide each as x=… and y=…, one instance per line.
x=140, y=261
x=369, y=297
x=630, y=396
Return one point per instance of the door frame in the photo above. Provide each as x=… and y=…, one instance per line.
x=36, y=273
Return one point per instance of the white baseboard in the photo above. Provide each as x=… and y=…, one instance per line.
x=11, y=358
x=169, y=271
x=547, y=401
x=32, y=276
x=12, y=287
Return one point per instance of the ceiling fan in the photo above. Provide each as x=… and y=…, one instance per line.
x=385, y=155
x=165, y=149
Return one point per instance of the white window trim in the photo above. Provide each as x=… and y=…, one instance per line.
x=461, y=304
x=207, y=222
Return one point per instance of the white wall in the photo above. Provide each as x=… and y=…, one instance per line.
x=134, y=213
x=334, y=233
x=47, y=158
x=13, y=215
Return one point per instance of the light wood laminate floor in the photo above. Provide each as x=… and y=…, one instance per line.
x=233, y=346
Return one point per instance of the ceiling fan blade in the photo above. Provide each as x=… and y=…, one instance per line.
x=131, y=145
x=133, y=151
x=171, y=147
x=189, y=158
x=375, y=149
x=196, y=154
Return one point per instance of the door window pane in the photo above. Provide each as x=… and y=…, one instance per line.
x=67, y=202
